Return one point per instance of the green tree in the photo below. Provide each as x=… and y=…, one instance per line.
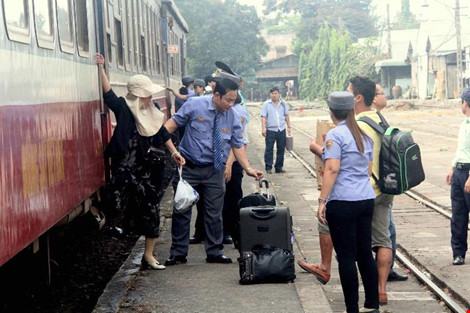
x=222, y=31
x=327, y=63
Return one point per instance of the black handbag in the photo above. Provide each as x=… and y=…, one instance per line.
x=258, y=198
x=150, y=153
x=266, y=264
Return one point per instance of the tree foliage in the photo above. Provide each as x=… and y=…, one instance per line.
x=330, y=61
x=222, y=31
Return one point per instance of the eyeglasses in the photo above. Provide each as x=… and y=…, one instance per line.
x=379, y=93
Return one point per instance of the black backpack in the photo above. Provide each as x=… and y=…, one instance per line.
x=400, y=166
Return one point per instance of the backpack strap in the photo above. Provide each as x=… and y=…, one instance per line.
x=378, y=128
x=383, y=121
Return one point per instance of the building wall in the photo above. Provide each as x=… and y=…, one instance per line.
x=279, y=45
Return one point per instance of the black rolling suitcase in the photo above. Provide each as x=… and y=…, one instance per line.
x=265, y=225
x=262, y=197
x=266, y=245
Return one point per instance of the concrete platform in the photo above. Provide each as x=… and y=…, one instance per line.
x=201, y=287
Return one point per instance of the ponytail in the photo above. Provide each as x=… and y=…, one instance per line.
x=356, y=131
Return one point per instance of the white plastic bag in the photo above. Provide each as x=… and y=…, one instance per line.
x=185, y=195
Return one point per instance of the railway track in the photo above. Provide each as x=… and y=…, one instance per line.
x=453, y=301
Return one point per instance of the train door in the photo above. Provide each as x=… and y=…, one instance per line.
x=100, y=9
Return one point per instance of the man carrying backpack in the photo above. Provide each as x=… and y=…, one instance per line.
x=380, y=102
x=363, y=90
x=458, y=178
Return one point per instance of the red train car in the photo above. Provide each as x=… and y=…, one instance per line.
x=53, y=125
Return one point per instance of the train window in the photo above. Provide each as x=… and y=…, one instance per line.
x=17, y=19
x=109, y=42
x=107, y=13
x=136, y=13
x=157, y=48
x=43, y=21
x=151, y=35
x=65, y=23
x=119, y=42
x=130, y=34
x=142, y=48
x=82, y=27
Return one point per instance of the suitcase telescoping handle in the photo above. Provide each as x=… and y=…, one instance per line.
x=265, y=182
x=263, y=213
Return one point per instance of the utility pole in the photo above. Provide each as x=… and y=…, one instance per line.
x=459, y=47
x=389, y=33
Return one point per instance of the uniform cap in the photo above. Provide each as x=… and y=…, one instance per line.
x=225, y=72
x=233, y=78
x=141, y=86
x=209, y=78
x=224, y=67
x=340, y=100
x=187, y=80
x=466, y=95
x=199, y=82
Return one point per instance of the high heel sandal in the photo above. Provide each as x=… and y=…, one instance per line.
x=153, y=266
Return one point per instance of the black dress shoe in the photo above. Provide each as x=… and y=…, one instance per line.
x=394, y=276
x=195, y=240
x=174, y=260
x=280, y=171
x=219, y=259
x=227, y=240
x=458, y=260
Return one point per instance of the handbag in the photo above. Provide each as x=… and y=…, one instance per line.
x=266, y=264
x=150, y=153
x=258, y=198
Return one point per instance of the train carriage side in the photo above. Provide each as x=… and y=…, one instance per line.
x=50, y=126
x=147, y=37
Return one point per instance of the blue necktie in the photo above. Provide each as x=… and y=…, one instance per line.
x=218, y=144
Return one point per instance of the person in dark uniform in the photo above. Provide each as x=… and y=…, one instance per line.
x=459, y=180
x=212, y=130
x=136, y=182
x=184, y=93
x=199, y=87
x=210, y=84
x=346, y=202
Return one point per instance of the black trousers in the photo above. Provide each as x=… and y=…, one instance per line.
x=233, y=194
x=460, y=210
x=278, y=137
x=230, y=213
x=199, y=231
x=350, y=229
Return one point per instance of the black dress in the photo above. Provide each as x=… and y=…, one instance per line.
x=135, y=188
